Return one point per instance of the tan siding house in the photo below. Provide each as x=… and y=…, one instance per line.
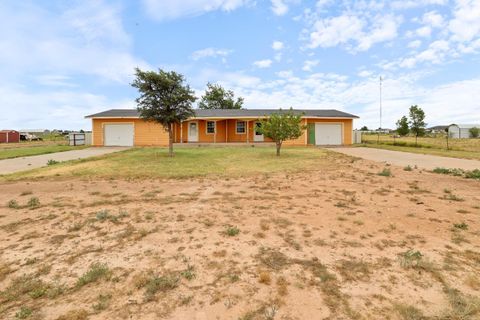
x=124, y=127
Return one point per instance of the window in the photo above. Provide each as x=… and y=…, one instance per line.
x=210, y=126
x=240, y=126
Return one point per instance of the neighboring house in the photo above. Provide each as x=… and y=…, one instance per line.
x=457, y=131
x=437, y=129
x=9, y=136
x=383, y=130
x=124, y=127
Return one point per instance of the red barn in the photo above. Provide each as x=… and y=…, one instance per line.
x=8, y=136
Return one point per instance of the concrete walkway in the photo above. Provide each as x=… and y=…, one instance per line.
x=404, y=159
x=26, y=163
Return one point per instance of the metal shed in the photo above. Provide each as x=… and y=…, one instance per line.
x=9, y=136
x=459, y=131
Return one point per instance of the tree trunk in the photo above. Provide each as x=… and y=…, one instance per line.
x=279, y=145
x=170, y=140
x=416, y=137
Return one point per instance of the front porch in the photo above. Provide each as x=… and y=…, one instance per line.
x=219, y=131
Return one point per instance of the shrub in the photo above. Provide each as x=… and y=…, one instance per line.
x=103, y=302
x=408, y=168
x=13, y=204
x=23, y=313
x=462, y=226
x=474, y=132
x=410, y=258
x=96, y=272
x=33, y=203
x=385, y=172
x=162, y=284
x=189, y=273
x=52, y=162
x=232, y=231
x=264, y=277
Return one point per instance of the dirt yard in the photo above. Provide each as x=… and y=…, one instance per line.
x=343, y=242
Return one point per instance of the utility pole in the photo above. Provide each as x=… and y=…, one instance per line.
x=381, y=102
x=380, y=128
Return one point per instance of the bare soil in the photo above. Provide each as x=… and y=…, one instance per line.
x=339, y=243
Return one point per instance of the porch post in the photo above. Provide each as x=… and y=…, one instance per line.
x=215, y=132
x=305, y=132
x=226, y=130
x=181, y=131
x=248, y=138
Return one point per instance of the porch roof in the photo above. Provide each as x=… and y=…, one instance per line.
x=232, y=113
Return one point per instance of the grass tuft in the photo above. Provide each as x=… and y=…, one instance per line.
x=96, y=272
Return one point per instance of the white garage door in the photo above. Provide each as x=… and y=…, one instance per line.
x=328, y=134
x=119, y=135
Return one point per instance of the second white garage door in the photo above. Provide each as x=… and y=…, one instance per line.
x=328, y=134
x=119, y=135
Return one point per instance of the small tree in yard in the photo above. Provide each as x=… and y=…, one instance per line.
x=474, y=132
x=216, y=97
x=402, y=126
x=282, y=126
x=164, y=98
x=417, y=123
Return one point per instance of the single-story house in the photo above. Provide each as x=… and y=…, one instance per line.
x=9, y=136
x=124, y=127
x=437, y=129
x=458, y=131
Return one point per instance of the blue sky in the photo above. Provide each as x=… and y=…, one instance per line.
x=62, y=60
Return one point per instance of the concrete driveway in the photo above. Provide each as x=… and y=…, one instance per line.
x=26, y=163
x=404, y=159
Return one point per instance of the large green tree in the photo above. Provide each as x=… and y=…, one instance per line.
x=417, y=122
x=164, y=98
x=216, y=97
x=402, y=126
x=282, y=126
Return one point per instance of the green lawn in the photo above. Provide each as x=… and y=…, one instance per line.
x=458, y=148
x=188, y=162
x=32, y=150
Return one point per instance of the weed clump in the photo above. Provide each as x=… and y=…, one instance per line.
x=386, y=172
x=232, y=231
x=96, y=272
x=33, y=203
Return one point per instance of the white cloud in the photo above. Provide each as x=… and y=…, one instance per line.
x=210, y=53
x=57, y=109
x=266, y=63
x=436, y=53
x=410, y=4
x=357, y=33
x=414, y=44
x=365, y=73
x=309, y=64
x=465, y=26
x=384, y=28
x=87, y=39
x=277, y=45
x=279, y=7
x=433, y=19
x=172, y=9
x=331, y=32
x=424, y=31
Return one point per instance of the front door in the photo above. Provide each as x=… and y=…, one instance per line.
x=192, y=132
x=257, y=135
